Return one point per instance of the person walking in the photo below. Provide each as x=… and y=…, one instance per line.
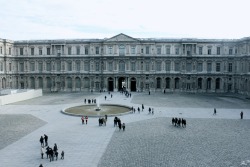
x=105, y=97
x=41, y=165
x=142, y=107
x=62, y=155
x=41, y=141
x=241, y=115
x=82, y=120
x=86, y=118
x=42, y=152
x=46, y=139
x=214, y=111
x=123, y=126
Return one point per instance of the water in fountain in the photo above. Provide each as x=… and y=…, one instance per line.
x=98, y=105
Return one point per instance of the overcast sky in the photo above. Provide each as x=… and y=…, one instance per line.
x=79, y=19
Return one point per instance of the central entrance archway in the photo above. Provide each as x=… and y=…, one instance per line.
x=121, y=84
x=133, y=85
x=110, y=84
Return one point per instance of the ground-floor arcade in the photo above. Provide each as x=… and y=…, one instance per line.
x=139, y=83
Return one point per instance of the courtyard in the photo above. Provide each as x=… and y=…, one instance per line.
x=149, y=140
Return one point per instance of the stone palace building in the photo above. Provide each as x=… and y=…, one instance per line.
x=136, y=64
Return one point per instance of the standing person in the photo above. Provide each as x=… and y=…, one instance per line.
x=82, y=119
x=56, y=154
x=241, y=115
x=111, y=95
x=149, y=93
x=55, y=148
x=41, y=141
x=41, y=165
x=62, y=155
x=120, y=125
x=142, y=107
x=214, y=111
x=86, y=118
x=42, y=152
x=46, y=139
x=123, y=126
x=105, y=97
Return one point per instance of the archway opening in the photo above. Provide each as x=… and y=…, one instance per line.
x=110, y=84
x=133, y=85
x=121, y=84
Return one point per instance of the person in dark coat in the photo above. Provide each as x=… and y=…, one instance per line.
x=41, y=141
x=62, y=155
x=56, y=154
x=46, y=139
x=241, y=115
x=214, y=111
x=123, y=126
x=120, y=125
x=41, y=165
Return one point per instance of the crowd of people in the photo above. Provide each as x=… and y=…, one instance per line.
x=51, y=153
x=84, y=118
x=89, y=101
x=179, y=122
x=117, y=122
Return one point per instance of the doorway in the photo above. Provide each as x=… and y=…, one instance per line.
x=121, y=84
x=110, y=84
x=133, y=85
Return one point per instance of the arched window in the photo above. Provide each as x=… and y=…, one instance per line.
x=217, y=83
x=158, y=83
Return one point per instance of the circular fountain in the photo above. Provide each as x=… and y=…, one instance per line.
x=97, y=111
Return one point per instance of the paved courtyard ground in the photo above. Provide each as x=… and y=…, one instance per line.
x=149, y=140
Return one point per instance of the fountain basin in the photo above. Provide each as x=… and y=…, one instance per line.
x=91, y=110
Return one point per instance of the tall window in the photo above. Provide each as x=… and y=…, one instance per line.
x=168, y=66
x=48, y=66
x=132, y=66
x=158, y=66
x=40, y=67
x=230, y=67
x=177, y=51
x=21, y=51
x=189, y=67
x=147, y=66
x=69, y=66
x=32, y=66
x=9, y=51
x=48, y=51
x=97, y=50
x=121, y=66
x=147, y=49
x=9, y=66
x=218, y=50
x=199, y=67
x=158, y=50
x=86, y=66
x=168, y=50
x=177, y=66
x=32, y=51
x=86, y=50
x=217, y=67
x=209, y=51
x=40, y=51
x=110, y=50
x=58, y=66
x=158, y=83
x=78, y=50
x=217, y=83
x=21, y=67
x=1, y=50
x=200, y=50
x=133, y=49
x=69, y=50
x=209, y=67
x=230, y=51
x=248, y=67
x=97, y=66
x=121, y=50
x=78, y=66
x=110, y=66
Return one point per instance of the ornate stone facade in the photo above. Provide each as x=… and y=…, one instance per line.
x=187, y=65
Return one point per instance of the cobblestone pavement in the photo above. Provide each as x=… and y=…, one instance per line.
x=157, y=143
x=222, y=135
